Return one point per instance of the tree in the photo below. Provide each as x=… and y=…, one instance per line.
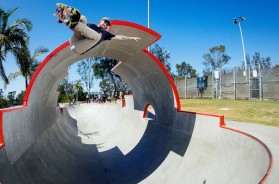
x=185, y=69
x=11, y=97
x=163, y=56
x=102, y=69
x=65, y=90
x=13, y=40
x=34, y=62
x=29, y=66
x=78, y=89
x=1, y=92
x=85, y=70
x=215, y=59
x=107, y=87
x=111, y=82
x=19, y=98
x=258, y=62
x=3, y=102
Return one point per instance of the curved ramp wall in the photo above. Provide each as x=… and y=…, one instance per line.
x=34, y=129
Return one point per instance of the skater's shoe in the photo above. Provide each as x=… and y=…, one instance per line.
x=73, y=17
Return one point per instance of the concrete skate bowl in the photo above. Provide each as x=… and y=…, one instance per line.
x=44, y=143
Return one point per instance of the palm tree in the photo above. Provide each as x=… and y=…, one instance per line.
x=77, y=88
x=29, y=66
x=13, y=39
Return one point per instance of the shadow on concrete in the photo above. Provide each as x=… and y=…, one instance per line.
x=58, y=156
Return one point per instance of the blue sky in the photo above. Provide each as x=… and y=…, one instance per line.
x=188, y=27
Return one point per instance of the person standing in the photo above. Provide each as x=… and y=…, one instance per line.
x=87, y=98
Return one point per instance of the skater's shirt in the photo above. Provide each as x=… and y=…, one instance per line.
x=105, y=35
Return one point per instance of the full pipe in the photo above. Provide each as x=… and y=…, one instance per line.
x=41, y=142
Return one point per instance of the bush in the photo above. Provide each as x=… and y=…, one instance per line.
x=63, y=98
x=19, y=98
x=3, y=103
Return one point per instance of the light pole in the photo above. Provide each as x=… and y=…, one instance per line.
x=148, y=17
x=148, y=14
x=235, y=21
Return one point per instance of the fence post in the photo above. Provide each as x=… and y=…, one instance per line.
x=260, y=82
x=185, y=78
x=213, y=85
x=234, y=82
x=220, y=83
x=249, y=83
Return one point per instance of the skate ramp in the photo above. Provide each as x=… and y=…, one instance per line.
x=43, y=143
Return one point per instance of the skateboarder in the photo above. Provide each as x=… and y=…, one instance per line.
x=86, y=36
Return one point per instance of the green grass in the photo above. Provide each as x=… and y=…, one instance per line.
x=260, y=112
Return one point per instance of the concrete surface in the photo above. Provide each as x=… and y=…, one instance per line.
x=43, y=143
x=270, y=136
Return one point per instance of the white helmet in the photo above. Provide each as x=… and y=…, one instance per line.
x=107, y=20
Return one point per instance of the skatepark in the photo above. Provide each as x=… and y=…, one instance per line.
x=146, y=138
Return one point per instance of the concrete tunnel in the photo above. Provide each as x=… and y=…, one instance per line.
x=40, y=143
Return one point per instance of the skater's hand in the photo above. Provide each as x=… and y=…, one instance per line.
x=60, y=16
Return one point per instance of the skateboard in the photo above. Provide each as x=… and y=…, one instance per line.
x=69, y=15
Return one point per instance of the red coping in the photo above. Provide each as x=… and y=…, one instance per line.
x=145, y=111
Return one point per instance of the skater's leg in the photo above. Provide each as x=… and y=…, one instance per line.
x=79, y=43
x=87, y=31
x=79, y=46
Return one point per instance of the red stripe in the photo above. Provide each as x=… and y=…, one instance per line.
x=145, y=111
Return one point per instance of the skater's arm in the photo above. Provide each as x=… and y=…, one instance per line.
x=121, y=37
x=108, y=28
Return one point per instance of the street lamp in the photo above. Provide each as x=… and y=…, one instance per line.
x=148, y=14
x=235, y=21
x=148, y=17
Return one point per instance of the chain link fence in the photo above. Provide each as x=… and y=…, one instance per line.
x=255, y=83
